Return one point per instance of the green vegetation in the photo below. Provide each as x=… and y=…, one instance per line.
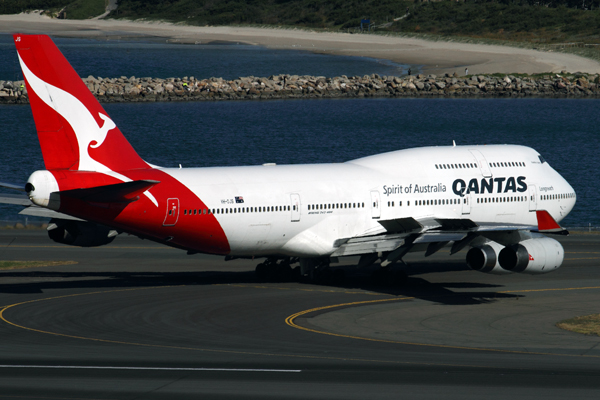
x=520, y=20
x=560, y=25
x=332, y=14
x=76, y=9
x=17, y=6
x=587, y=324
x=32, y=264
x=513, y=22
x=565, y=25
x=84, y=9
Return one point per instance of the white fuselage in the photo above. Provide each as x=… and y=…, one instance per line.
x=349, y=199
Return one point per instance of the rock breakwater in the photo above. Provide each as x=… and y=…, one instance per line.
x=132, y=89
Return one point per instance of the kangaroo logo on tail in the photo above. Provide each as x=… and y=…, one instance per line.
x=86, y=128
x=77, y=115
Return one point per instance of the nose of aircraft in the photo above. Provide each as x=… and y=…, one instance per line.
x=568, y=202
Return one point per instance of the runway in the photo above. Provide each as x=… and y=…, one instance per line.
x=138, y=320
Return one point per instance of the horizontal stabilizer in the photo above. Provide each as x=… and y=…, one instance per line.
x=17, y=199
x=36, y=211
x=31, y=209
x=127, y=192
x=547, y=224
x=13, y=186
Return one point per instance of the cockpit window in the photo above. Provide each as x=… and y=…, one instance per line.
x=541, y=159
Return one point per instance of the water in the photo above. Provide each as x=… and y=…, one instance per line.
x=162, y=60
x=564, y=131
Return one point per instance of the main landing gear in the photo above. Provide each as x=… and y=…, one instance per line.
x=389, y=272
x=278, y=270
x=314, y=270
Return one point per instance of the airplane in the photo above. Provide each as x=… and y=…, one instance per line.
x=497, y=200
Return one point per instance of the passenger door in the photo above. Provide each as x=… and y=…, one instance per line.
x=532, y=198
x=375, y=204
x=295, y=198
x=172, y=212
x=466, y=204
x=482, y=163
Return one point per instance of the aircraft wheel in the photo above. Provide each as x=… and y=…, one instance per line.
x=338, y=276
x=283, y=273
x=261, y=271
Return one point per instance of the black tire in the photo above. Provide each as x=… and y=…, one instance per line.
x=261, y=271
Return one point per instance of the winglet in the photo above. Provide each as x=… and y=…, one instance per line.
x=547, y=224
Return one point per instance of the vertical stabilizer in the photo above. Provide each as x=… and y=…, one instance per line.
x=73, y=129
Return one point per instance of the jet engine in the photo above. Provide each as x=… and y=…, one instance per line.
x=80, y=233
x=485, y=259
x=533, y=256
x=538, y=255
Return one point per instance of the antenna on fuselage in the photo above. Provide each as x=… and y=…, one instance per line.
x=453, y=143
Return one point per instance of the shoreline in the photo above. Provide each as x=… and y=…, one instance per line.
x=130, y=90
x=432, y=57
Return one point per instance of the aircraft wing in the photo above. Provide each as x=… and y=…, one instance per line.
x=402, y=234
x=31, y=209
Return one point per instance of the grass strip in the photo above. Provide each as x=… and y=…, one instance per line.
x=6, y=265
x=586, y=324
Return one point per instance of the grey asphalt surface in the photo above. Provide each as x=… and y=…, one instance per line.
x=136, y=320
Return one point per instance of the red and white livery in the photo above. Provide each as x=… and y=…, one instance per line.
x=495, y=199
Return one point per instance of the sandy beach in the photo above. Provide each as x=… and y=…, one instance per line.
x=429, y=56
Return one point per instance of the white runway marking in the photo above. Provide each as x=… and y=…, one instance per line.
x=149, y=368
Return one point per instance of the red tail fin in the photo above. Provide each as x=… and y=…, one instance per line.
x=73, y=129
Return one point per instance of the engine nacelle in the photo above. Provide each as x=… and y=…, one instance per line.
x=39, y=188
x=485, y=259
x=79, y=233
x=539, y=255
